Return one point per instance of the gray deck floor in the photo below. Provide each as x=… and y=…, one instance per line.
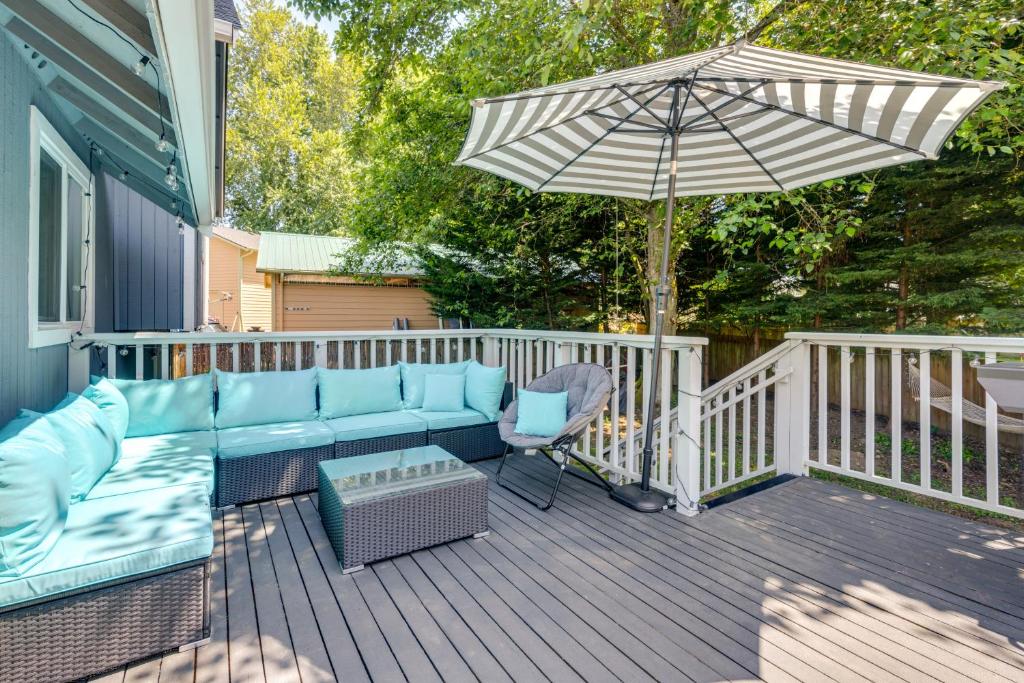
x=806, y=581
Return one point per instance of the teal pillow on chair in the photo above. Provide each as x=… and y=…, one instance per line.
x=444, y=393
x=258, y=398
x=414, y=374
x=484, y=388
x=91, y=446
x=35, y=491
x=112, y=402
x=359, y=392
x=541, y=414
x=166, y=406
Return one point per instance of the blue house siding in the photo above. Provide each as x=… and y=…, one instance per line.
x=142, y=260
x=29, y=378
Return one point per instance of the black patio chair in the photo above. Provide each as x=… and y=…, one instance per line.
x=589, y=386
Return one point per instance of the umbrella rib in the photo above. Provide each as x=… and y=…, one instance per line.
x=595, y=142
x=642, y=106
x=549, y=127
x=613, y=117
x=740, y=143
x=657, y=167
x=732, y=98
x=678, y=114
x=852, y=131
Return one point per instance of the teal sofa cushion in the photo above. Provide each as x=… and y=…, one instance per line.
x=35, y=493
x=164, y=406
x=444, y=393
x=239, y=442
x=91, y=446
x=259, y=398
x=541, y=413
x=484, y=388
x=450, y=419
x=356, y=427
x=112, y=402
x=359, y=392
x=414, y=375
x=118, y=537
x=182, y=442
x=157, y=469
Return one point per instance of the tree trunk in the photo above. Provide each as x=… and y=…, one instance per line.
x=655, y=231
x=903, y=292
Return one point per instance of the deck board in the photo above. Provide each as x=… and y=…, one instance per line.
x=802, y=582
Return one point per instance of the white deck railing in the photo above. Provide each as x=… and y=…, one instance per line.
x=611, y=441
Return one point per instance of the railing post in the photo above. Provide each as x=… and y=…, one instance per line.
x=687, y=456
x=490, y=354
x=78, y=367
x=792, y=410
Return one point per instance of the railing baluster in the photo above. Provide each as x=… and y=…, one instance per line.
x=615, y=456
x=925, y=419
x=732, y=434
x=845, y=359
x=257, y=356
x=357, y=355
x=189, y=359
x=706, y=440
x=235, y=357
x=630, y=410
x=665, y=370
x=447, y=350
x=433, y=350
x=140, y=368
x=869, y=411
x=165, y=371
x=762, y=436
x=956, y=360
x=896, y=415
x=373, y=353
x=746, y=427
x=719, y=465
x=298, y=355
x=991, y=443
x=112, y=361
x=823, y=404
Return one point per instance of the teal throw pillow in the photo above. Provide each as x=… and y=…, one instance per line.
x=444, y=393
x=359, y=392
x=91, y=446
x=35, y=492
x=484, y=389
x=167, y=406
x=112, y=402
x=413, y=377
x=258, y=398
x=541, y=414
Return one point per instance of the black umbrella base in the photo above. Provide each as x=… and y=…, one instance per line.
x=631, y=495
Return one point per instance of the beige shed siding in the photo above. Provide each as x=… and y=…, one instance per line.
x=309, y=307
x=256, y=296
x=224, y=278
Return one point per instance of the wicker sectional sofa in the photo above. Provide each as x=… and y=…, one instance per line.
x=123, y=574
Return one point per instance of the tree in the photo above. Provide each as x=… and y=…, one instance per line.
x=286, y=165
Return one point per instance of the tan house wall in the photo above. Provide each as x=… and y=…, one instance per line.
x=233, y=270
x=224, y=278
x=319, y=307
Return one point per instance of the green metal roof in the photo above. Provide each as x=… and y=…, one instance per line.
x=285, y=252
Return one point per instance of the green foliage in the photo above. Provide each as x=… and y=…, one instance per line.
x=286, y=165
x=930, y=246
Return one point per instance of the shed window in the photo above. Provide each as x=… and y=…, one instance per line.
x=60, y=221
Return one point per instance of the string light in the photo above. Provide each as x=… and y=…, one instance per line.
x=124, y=176
x=172, y=177
x=139, y=67
x=162, y=145
x=181, y=225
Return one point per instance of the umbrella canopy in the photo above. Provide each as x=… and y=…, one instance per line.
x=732, y=119
x=755, y=120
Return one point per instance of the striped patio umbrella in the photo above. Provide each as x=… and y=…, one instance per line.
x=733, y=119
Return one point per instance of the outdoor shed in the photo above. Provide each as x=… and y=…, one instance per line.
x=238, y=296
x=308, y=294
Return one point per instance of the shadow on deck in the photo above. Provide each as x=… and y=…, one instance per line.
x=805, y=581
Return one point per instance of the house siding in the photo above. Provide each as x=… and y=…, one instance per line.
x=29, y=378
x=309, y=307
x=148, y=262
x=224, y=278
x=256, y=296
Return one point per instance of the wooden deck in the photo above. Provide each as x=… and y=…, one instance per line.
x=806, y=581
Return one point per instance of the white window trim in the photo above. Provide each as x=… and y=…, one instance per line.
x=42, y=135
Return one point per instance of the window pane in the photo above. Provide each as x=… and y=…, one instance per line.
x=50, y=174
x=75, y=236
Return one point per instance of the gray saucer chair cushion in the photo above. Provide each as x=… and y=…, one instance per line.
x=588, y=385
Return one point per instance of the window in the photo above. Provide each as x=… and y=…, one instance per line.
x=60, y=222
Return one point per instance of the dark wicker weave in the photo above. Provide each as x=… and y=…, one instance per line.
x=416, y=519
x=379, y=444
x=469, y=443
x=96, y=630
x=271, y=475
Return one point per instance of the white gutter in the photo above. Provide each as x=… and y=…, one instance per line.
x=184, y=37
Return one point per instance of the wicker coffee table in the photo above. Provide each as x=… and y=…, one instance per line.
x=386, y=504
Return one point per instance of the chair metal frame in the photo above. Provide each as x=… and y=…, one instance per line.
x=563, y=445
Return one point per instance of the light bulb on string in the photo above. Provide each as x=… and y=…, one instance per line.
x=162, y=145
x=139, y=67
x=124, y=176
x=181, y=225
x=172, y=177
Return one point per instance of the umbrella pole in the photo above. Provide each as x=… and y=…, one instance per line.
x=640, y=496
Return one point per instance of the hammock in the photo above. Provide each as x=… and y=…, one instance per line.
x=942, y=398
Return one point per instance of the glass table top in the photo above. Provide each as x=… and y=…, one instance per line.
x=362, y=478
